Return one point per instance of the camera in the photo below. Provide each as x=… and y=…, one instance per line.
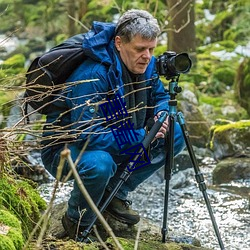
x=171, y=65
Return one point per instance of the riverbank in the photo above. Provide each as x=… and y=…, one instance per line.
x=188, y=216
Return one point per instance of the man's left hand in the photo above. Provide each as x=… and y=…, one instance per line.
x=164, y=128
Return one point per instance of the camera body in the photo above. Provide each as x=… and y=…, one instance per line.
x=171, y=65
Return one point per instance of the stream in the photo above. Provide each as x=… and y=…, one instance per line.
x=187, y=212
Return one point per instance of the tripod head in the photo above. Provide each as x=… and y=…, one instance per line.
x=174, y=89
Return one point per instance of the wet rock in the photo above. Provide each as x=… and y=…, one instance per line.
x=231, y=169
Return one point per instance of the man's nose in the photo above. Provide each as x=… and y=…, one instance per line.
x=146, y=54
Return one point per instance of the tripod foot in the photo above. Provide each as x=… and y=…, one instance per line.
x=164, y=232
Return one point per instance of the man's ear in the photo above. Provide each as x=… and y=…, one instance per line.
x=118, y=43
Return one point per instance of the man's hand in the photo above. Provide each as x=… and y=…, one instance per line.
x=164, y=128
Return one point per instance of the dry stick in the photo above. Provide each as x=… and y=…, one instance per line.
x=137, y=236
x=99, y=238
x=66, y=154
x=45, y=217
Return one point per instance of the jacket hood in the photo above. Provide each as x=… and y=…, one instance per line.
x=98, y=43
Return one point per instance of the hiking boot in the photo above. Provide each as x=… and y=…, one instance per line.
x=121, y=211
x=75, y=231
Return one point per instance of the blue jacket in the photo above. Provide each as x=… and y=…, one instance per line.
x=85, y=120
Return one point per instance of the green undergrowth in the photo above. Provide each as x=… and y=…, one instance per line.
x=127, y=244
x=20, y=210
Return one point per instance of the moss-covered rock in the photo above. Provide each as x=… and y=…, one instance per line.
x=22, y=200
x=16, y=61
x=221, y=107
x=11, y=237
x=128, y=244
x=232, y=139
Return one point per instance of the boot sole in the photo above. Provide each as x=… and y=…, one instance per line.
x=121, y=219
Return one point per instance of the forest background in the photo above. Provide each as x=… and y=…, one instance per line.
x=214, y=33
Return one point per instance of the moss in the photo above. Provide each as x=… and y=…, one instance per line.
x=214, y=101
x=235, y=125
x=225, y=75
x=6, y=243
x=9, y=219
x=13, y=239
x=16, y=61
x=128, y=244
x=21, y=199
x=16, y=237
x=220, y=131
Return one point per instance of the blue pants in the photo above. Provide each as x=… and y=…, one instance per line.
x=100, y=170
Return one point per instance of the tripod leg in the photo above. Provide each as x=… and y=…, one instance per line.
x=125, y=175
x=199, y=176
x=168, y=173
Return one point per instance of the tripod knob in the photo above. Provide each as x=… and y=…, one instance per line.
x=177, y=89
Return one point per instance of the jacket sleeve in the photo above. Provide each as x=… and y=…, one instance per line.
x=88, y=123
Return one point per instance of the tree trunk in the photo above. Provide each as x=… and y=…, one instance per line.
x=181, y=27
x=71, y=6
x=83, y=7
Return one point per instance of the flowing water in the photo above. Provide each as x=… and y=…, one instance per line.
x=187, y=212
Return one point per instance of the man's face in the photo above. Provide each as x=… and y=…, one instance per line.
x=137, y=53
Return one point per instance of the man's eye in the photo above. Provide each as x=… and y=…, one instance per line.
x=139, y=50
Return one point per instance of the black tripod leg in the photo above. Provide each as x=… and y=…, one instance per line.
x=168, y=173
x=126, y=174
x=199, y=176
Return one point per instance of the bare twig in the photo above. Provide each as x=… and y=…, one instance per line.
x=77, y=21
x=66, y=154
x=99, y=238
x=137, y=236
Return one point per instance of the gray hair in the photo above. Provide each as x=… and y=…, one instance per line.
x=137, y=22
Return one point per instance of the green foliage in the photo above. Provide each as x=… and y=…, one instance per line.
x=214, y=101
x=17, y=61
x=229, y=23
x=224, y=75
x=12, y=67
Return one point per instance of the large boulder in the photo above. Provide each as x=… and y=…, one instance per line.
x=230, y=143
x=231, y=169
x=230, y=139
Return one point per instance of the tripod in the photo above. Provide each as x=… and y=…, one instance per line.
x=126, y=173
x=173, y=90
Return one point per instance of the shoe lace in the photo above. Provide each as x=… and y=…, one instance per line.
x=127, y=203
